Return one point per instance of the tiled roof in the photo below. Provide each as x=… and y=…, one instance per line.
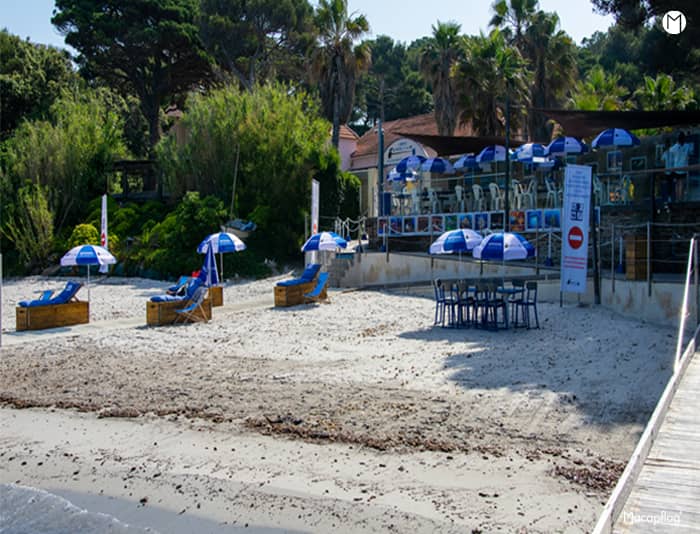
x=420, y=124
x=348, y=133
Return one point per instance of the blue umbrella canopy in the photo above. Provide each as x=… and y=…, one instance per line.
x=504, y=246
x=437, y=165
x=324, y=241
x=491, y=153
x=409, y=162
x=221, y=242
x=396, y=176
x=468, y=161
x=525, y=153
x=615, y=137
x=88, y=255
x=462, y=240
x=565, y=145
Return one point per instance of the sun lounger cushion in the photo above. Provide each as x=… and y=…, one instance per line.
x=307, y=276
x=64, y=296
x=191, y=288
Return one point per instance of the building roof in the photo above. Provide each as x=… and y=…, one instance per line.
x=453, y=145
x=420, y=125
x=348, y=133
x=579, y=123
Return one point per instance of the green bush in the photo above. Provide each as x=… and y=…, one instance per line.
x=30, y=226
x=84, y=234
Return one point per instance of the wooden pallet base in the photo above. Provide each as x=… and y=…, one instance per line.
x=164, y=313
x=52, y=315
x=216, y=294
x=294, y=295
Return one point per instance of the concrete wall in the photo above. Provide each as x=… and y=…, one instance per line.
x=629, y=298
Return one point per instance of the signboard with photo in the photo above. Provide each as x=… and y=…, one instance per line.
x=466, y=220
x=395, y=225
x=409, y=225
x=481, y=221
x=423, y=224
x=552, y=219
x=450, y=222
x=382, y=223
x=497, y=220
x=437, y=224
x=534, y=220
x=517, y=221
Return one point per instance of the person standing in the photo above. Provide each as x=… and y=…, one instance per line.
x=666, y=181
x=679, y=155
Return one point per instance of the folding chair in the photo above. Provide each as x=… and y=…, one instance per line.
x=194, y=311
x=315, y=294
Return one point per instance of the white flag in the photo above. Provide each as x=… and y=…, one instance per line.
x=104, y=240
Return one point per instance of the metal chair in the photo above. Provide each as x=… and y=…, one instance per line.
x=527, y=302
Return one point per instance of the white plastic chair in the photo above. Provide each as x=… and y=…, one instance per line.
x=478, y=202
x=434, y=201
x=496, y=196
x=415, y=201
x=529, y=195
x=459, y=195
x=552, y=194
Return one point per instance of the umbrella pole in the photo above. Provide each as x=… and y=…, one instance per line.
x=88, y=288
x=221, y=276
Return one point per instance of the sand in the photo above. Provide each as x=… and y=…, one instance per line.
x=355, y=416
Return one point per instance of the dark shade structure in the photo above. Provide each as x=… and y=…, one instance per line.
x=577, y=123
x=452, y=145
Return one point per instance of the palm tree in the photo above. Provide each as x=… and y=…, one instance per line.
x=551, y=53
x=513, y=18
x=437, y=60
x=661, y=93
x=336, y=61
x=490, y=71
x=599, y=91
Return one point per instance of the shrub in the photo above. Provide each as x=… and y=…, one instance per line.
x=84, y=234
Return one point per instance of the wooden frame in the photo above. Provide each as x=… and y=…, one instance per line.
x=52, y=315
x=164, y=313
x=216, y=294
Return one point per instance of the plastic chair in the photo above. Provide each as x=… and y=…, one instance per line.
x=315, y=294
x=459, y=196
x=496, y=196
x=434, y=202
x=516, y=195
x=478, y=202
x=194, y=311
x=552, y=194
x=415, y=201
x=529, y=195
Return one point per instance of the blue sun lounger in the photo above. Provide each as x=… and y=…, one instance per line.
x=50, y=312
x=318, y=292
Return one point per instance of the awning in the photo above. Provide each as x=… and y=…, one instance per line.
x=454, y=145
x=577, y=123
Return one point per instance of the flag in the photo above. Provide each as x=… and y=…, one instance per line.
x=104, y=240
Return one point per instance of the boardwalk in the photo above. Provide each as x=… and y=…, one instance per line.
x=666, y=496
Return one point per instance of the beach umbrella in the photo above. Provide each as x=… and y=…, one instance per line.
x=491, y=153
x=88, y=255
x=462, y=240
x=208, y=273
x=410, y=162
x=437, y=165
x=468, y=161
x=396, y=176
x=221, y=243
x=525, y=153
x=504, y=246
x=614, y=137
x=324, y=241
x=565, y=145
x=544, y=163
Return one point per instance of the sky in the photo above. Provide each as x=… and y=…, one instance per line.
x=402, y=20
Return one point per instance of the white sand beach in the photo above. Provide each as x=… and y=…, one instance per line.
x=353, y=416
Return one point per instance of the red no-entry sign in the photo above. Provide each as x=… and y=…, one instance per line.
x=575, y=237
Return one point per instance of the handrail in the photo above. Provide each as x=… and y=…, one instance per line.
x=684, y=306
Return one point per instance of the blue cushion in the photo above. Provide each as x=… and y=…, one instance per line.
x=167, y=298
x=64, y=296
x=294, y=282
x=310, y=272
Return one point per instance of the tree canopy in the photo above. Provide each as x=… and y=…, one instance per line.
x=150, y=48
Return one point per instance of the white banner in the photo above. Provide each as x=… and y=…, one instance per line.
x=574, y=228
x=104, y=239
x=315, y=195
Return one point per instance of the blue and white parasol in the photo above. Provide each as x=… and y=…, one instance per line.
x=410, y=163
x=527, y=152
x=437, y=165
x=504, y=246
x=396, y=176
x=88, y=255
x=462, y=240
x=565, y=145
x=491, y=153
x=468, y=161
x=615, y=137
x=324, y=241
x=208, y=273
x=221, y=242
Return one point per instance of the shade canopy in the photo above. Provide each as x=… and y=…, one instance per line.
x=396, y=176
x=324, y=241
x=565, y=145
x=88, y=255
x=221, y=242
x=491, y=153
x=462, y=240
x=614, y=137
x=468, y=161
x=525, y=153
x=409, y=163
x=437, y=165
x=504, y=246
